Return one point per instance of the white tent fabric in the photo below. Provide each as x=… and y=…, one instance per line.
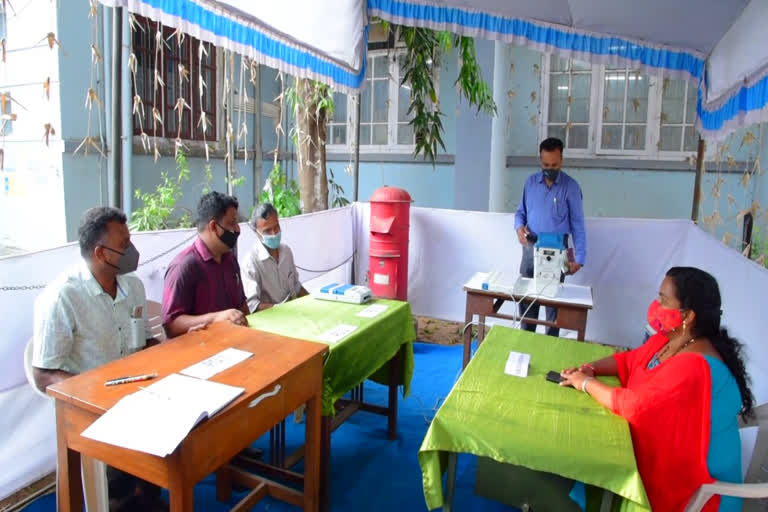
x=301, y=37
x=626, y=261
x=673, y=39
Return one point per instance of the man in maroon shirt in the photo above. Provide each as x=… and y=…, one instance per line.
x=202, y=284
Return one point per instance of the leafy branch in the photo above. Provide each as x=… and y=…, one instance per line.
x=424, y=51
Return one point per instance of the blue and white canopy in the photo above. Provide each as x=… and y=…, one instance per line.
x=721, y=46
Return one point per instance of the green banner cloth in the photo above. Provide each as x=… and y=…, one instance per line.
x=532, y=422
x=360, y=355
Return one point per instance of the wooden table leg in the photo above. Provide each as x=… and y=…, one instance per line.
x=468, y=316
x=395, y=367
x=312, y=455
x=450, y=483
x=326, y=427
x=69, y=492
x=572, y=318
x=182, y=492
x=223, y=484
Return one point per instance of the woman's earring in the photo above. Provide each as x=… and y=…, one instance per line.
x=684, y=326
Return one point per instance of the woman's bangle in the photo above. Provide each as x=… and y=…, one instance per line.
x=584, y=384
x=587, y=365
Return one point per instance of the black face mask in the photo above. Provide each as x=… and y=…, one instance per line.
x=228, y=238
x=550, y=174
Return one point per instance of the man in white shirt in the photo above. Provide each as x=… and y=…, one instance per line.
x=86, y=318
x=270, y=275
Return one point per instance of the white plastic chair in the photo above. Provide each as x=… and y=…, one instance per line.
x=155, y=320
x=756, y=485
x=93, y=471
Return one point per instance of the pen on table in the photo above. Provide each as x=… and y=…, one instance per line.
x=126, y=380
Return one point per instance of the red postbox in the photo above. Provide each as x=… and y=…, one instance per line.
x=388, y=254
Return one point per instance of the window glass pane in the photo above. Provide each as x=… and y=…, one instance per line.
x=670, y=138
x=558, y=98
x=380, y=134
x=403, y=102
x=365, y=135
x=634, y=137
x=577, y=137
x=558, y=63
x=672, y=101
x=691, y=142
x=690, y=113
x=365, y=107
x=339, y=107
x=556, y=131
x=339, y=134
x=637, y=98
x=580, y=101
x=380, y=67
x=380, y=100
x=405, y=134
x=611, y=137
x=613, y=97
x=578, y=65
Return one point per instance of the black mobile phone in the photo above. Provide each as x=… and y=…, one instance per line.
x=554, y=376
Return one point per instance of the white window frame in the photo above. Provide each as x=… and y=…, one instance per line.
x=594, y=150
x=394, y=89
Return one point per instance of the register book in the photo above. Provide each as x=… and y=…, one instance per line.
x=156, y=419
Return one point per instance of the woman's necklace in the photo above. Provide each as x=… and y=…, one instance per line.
x=656, y=361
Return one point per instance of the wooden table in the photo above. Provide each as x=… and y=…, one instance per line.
x=573, y=303
x=293, y=365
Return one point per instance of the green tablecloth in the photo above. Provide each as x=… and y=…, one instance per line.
x=532, y=422
x=359, y=356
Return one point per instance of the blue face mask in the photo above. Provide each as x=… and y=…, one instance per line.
x=271, y=241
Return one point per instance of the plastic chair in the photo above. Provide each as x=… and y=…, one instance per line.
x=155, y=320
x=757, y=475
x=93, y=471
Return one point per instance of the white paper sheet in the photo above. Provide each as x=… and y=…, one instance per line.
x=517, y=364
x=217, y=363
x=337, y=334
x=373, y=311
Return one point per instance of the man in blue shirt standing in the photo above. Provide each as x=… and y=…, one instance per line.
x=551, y=203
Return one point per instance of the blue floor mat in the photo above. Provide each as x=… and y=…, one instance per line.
x=367, y=471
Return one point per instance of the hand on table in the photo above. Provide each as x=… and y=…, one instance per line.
x=198, y=327
x=234, y=316
x=573, y=377
x=585, y=369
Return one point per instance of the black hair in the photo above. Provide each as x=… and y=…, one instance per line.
x=263, y=212
x=214, y=206
x=93, y=226
x=698, y=291
x=551, y=144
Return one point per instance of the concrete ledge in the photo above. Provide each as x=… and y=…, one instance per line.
x=628, y=165
x=400, y=158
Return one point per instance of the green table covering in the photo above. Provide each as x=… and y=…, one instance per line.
x=532, y=422
x=359, y=356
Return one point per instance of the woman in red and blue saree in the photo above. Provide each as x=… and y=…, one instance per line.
x=681, y=392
